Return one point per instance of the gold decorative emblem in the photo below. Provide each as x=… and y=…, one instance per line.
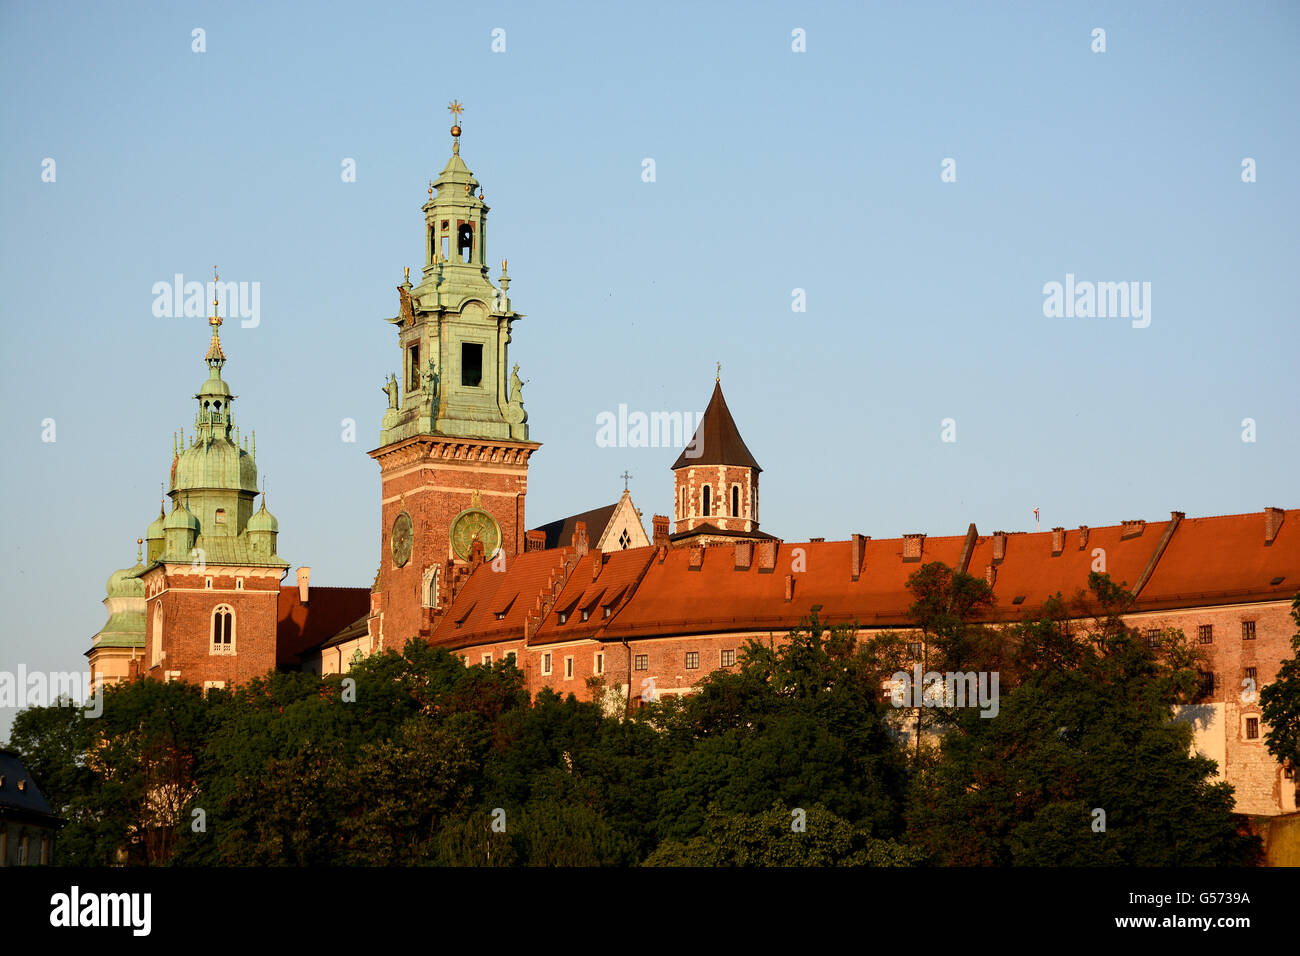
x=401, y=538
x=471, y=525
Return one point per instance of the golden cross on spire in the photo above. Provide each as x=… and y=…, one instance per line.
x=455, y=109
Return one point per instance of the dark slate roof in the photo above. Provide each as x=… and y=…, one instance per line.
x=714, y=530
x=29, y=799
x=559, y=533
x=717, y=441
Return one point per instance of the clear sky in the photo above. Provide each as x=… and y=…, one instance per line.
x=775, y=171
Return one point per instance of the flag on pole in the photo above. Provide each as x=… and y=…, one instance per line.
x=1036, y=522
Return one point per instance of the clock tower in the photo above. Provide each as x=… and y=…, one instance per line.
x=453, y=444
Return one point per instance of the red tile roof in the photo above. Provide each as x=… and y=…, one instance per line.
x=301, y=627
x=472, y=616
x=659, y=591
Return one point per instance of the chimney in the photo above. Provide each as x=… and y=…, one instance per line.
x=696, y=555
x=1131, y=529
x=535, y=540
x=816, y=540
x=991, y=574
x=476, y=553
x=789, y=588
x=663, y=553
x=597, y=561
x=913, y=545
x=580, y=538
x=304, y=579
x=999, y=547
x=1272, y=523
x=744, y=555
x=1083, y=536
x=858, y=550
x=767, y=556
x=1058, y=541
x=660, y=525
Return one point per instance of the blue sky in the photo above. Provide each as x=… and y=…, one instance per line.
x=775, y=171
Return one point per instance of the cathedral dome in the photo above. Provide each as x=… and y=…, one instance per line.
x=215, y=462
x=155, y=531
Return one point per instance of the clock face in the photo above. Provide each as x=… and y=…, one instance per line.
x=473, y=524
x=400, y=538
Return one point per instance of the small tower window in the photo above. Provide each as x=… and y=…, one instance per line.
x=157, y=634
x=464, y=241
x=413, y=367
x=704, y=501
x=446, y=246
x=735, y=501
x=220, y=516
x=471, y=364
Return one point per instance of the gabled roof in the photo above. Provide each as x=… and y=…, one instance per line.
x=559, y=533
x=613, y=585
x=717, y=441
x=1223, y=559
x=472, y=617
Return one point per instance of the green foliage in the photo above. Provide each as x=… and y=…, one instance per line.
x=1280, y=703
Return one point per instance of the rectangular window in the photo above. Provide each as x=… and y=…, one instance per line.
x=471, y=364
x=568, y=668
x=1252, y=728
x=220, y=516
x=413, y=367
x=1247, y=630
x=728, y=658
x=1207, y=683
x=692, y=660
x=511, y=655
x=1252, y=674
x=914, y=650
x=1153, y=638
x=642, y=662
x=1207, y=633
x=599, y=666
x=546, y=663
x=486, y=660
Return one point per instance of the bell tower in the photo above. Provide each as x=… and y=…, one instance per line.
x=453, y=445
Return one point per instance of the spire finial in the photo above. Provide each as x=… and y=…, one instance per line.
x=719, y=375
x=139, y=555
x=406, y=272
x=455, y=109
x=430, y=188
x=215, y=354
x=626, y=477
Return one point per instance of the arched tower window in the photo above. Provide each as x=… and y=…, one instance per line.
x=223, y=629
x=465, y=241
x=429, y=588
x=157, y=634
x=704, y=501
x=735, y=501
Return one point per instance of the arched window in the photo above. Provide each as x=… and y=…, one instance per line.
x=735, y=501
x=704, y=501
x=465, y=241
x=223, y=629
x=157, y=634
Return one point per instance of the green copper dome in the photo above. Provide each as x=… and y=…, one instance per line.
x=155, y=531
x=125, y=582
x=263, y=520
x=180, y=517
x=214, y=461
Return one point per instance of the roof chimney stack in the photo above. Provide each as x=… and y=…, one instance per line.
x=1058, y=541
x=858, y=552
x=999, y=547
x=660, y=525
x=1272, y=523
x=304, y=580
x=913, y=545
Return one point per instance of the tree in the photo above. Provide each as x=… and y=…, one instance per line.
x=1280, y=703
